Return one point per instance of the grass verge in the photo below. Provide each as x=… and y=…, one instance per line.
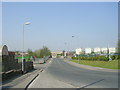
x=103, y=64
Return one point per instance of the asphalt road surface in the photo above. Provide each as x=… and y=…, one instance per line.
x=73, y=77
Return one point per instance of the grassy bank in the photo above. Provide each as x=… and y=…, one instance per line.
x=103, y=64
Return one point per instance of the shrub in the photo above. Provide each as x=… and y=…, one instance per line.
x=74, y=58
x=113, y=57
x=92, y=58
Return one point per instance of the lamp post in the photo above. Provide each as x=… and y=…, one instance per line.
x=78, y=53
x=23, y=68
x=108, y=52
x=65, y=50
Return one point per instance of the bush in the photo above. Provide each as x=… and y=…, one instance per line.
x=113, y=57
x=103, y=58
x=93, y=58
x=74, y=57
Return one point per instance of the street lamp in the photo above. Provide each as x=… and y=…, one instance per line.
x=23, y=67
x=108, y=54
x=78, y=53
x=65, y=50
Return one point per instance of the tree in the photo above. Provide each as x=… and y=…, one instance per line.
x=37, y=53
x=44, y=52
x=30, y=52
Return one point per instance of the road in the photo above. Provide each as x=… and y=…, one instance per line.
x=59, y=74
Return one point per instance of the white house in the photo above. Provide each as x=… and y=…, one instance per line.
x=104, y=50
x=78, y=51
x=97, y=50
x=112, y=50
x=88, y=50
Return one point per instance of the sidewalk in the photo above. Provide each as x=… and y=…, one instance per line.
x=20, y=81
x=27, y=80
x=89, y=67
x=45, y=80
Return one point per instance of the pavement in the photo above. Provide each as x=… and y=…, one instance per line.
x=45, y=80
x=20, y=81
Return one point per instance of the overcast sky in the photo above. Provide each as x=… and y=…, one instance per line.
x=93, y=24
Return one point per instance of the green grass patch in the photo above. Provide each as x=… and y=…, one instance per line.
x=103, y=64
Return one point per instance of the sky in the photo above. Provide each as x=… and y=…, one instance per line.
x=93, y=24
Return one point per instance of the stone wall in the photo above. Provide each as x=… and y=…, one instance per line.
x=9, y=65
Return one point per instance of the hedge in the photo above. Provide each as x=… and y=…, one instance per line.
x=96, y=58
